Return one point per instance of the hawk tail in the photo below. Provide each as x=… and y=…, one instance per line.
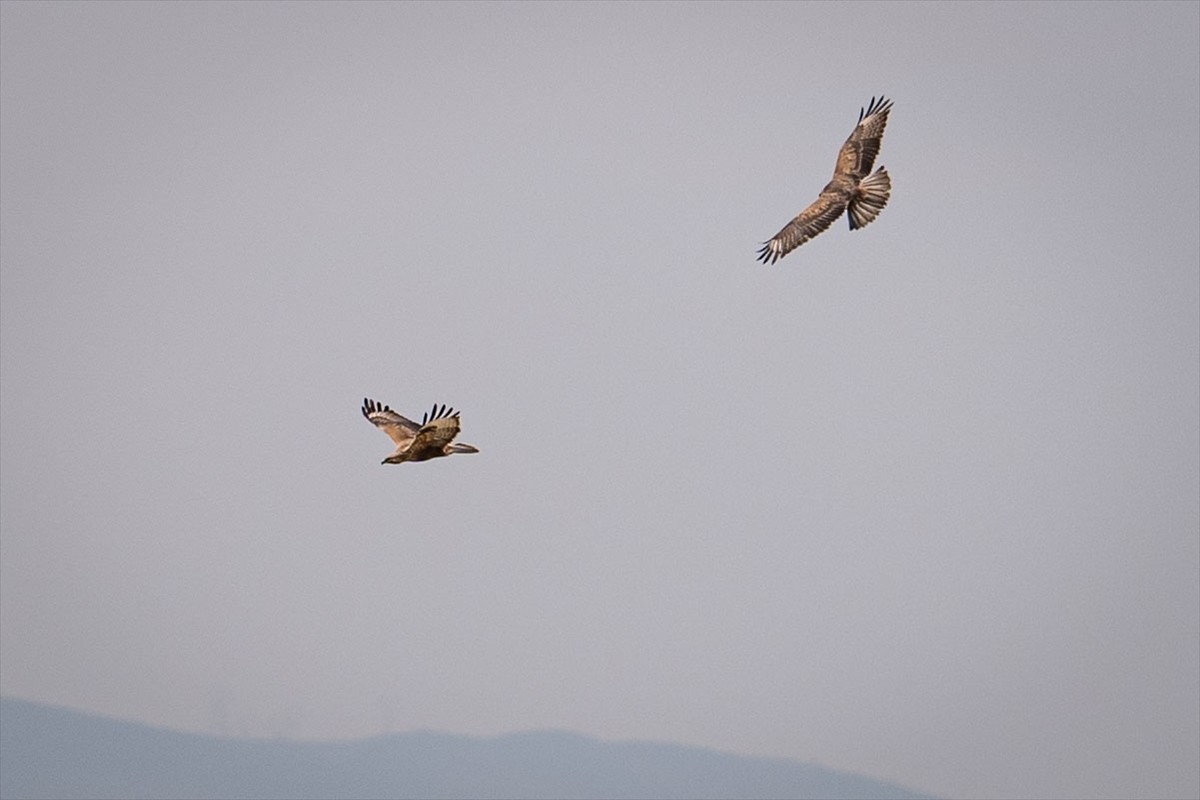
x=869, y=199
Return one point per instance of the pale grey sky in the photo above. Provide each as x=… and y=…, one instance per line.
x=920, y=501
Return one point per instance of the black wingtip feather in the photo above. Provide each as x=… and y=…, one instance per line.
x=877, y=106
x=767, y=255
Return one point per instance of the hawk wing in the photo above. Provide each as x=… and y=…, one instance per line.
x=401, y=430
x=807, y=224
x=438, y=429
x=857, y=155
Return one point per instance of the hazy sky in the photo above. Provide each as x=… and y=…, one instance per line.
x=920, y=501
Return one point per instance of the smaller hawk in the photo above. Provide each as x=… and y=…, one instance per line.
x=433, y=438
x=854, y=187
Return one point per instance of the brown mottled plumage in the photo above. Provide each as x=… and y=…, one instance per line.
x=433, y=438
x=854, y=187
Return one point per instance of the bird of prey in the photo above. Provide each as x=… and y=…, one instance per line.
x=854, y=187
x=433, y=438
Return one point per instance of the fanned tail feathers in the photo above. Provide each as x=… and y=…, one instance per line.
x=869, y=199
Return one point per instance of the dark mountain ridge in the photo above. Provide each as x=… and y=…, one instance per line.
x=51, y=752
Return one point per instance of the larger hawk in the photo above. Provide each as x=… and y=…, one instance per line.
x=433, y=438
x=854, y=187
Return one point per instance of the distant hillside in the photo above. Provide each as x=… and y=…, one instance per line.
x=48, y=752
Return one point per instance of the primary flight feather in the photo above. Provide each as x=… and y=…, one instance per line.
x=854, y=188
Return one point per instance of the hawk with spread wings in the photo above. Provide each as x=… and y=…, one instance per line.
x=433, y=438
x=854, y=188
